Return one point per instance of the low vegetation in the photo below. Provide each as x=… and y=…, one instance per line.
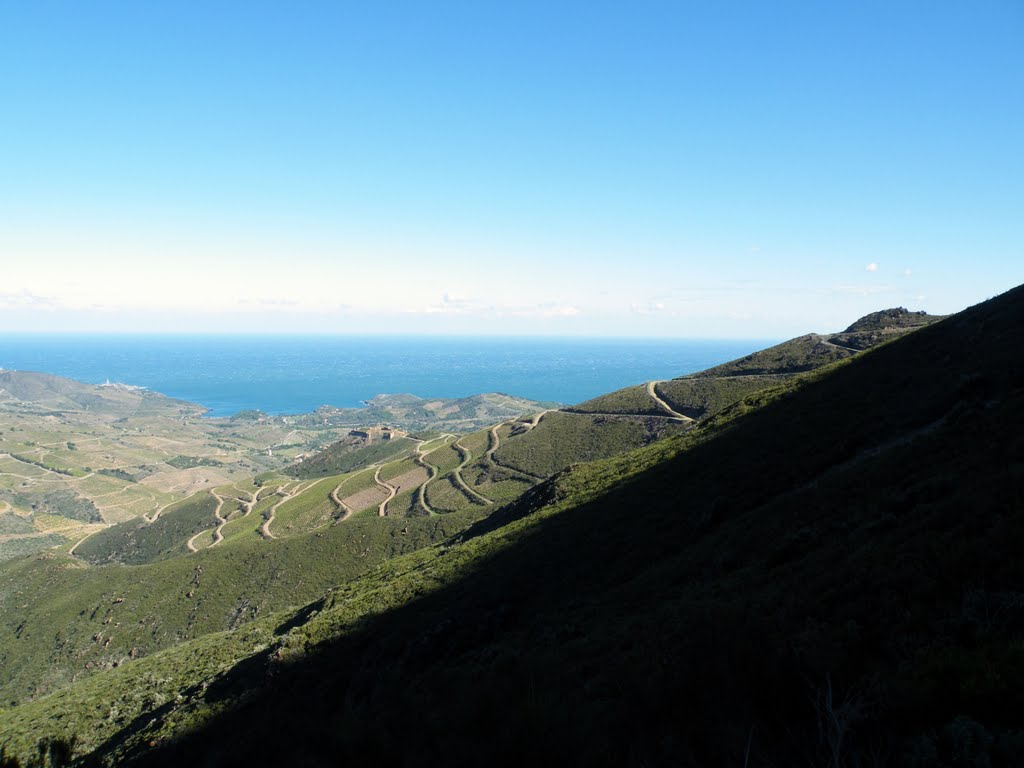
x=822, y=571
x=631, y=400
x=346, y=456
x=704, y=396
x=561, y=439
x=122, y=613
x=139, y=541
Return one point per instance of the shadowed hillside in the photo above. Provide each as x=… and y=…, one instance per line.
x=825, y=573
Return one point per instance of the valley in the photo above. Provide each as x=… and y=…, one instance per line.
x=75, y=458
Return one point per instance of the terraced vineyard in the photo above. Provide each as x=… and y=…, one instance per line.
x=99, y=456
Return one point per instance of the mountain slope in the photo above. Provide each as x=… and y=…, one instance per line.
x=824, y=573
x=813, y=350
x=703, y=394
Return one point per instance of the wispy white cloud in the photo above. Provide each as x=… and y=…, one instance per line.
x=278, y=302
x=552, y=310
x=907, y=272
x=468, y=306
x=650, y=308
x=26, y=300
x=454, y=300
x=872, y=267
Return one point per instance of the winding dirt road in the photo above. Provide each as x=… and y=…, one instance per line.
x=382, y=510
x=662, y=404
x=156, y=515
x=249, y=503
x=467, y=457
x=495, y=443
x=345, y=509
x=420, y=458
x=840, y=346
x=285, y=496
x=218, y=537
x=536, y=419
x=79, y=542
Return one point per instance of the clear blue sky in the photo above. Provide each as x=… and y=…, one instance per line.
x=683, y=169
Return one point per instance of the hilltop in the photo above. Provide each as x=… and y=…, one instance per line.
x=891, y=320
x=812, y=350
x=45, y=394
x=703, y=394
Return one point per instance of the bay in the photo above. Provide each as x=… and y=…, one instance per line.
x=296, y=374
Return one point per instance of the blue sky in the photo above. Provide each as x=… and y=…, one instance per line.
x=651, y=169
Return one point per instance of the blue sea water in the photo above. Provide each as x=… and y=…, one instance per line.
x=296, y=374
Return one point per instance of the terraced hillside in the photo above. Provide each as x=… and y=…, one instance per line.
x=270, y=521
x=456, y=478
x=823, y=573
x=77, y=458
x=120, y=613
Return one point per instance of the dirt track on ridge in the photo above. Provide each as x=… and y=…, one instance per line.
x=662, y=404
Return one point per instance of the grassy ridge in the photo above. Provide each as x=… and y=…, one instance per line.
x=631, y=400
x=702, y=397
x=445, y=459
x=245, y=527
x=444, y=496
x=136, y=541
x=561, y=439
x=339, y=458
x=309, y=510
x=106, y=615
x=394, y=469
x=475, y=442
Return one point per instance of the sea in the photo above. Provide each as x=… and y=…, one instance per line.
x=296, y=374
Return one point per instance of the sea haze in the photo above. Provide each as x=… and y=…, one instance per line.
x=295, y=374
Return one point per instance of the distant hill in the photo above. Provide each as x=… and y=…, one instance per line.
x=892, y=319
x=813, y=350
x=32, y=390
x=348, y=454
x=414, y=413
x=703, y=394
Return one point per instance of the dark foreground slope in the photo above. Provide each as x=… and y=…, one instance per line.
x=824, y=574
